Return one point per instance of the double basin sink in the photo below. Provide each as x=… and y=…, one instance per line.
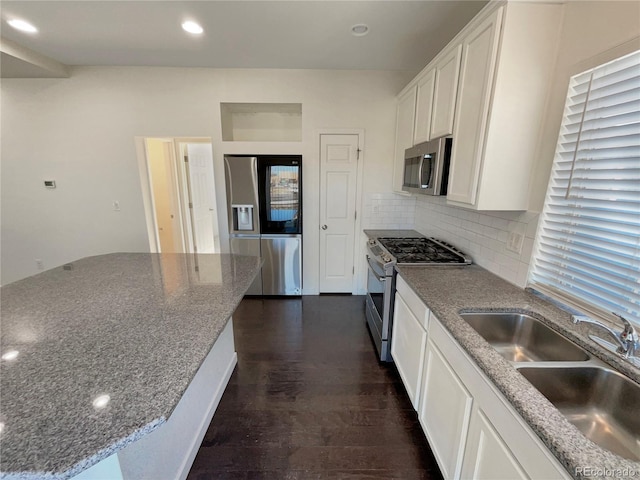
x=602, y=403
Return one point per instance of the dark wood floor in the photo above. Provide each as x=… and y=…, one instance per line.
x=309, y=400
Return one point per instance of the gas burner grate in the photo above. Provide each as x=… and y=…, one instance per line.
x=421, y=250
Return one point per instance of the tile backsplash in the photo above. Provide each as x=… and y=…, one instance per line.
x=482, y=235
x=388, y=211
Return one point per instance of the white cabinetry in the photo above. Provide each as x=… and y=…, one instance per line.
x=445, y=93
x=508, y=56
x=487, y=457
x=478, y=64
x=405, y=118
x=444, y=412
x=409, y=338
x=424, y=107
x=473, y=430
x=494, y=438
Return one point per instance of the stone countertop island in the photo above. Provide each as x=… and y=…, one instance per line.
x=97, y=354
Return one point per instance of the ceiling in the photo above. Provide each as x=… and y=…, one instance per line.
x=403, y=35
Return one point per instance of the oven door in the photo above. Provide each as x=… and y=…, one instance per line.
x=376, y=282
x=378, y=309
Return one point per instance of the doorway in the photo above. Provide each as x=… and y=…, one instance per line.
x=179, y=192
x=339, y=173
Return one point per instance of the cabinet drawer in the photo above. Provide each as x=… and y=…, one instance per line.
x=417, y=306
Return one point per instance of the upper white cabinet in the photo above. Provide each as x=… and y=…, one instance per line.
x=508, y=56
x=445, y=93
x=405, y=118
x=424, y=107
x=478, y=65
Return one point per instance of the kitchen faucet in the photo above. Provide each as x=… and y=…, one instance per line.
x=627, y=339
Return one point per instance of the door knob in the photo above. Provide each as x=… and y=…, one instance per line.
x=324, y=227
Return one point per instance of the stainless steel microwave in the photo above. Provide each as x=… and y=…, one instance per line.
x=426, y=167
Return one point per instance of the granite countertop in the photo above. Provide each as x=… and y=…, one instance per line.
x=392, y=233
x=133, y=326
x=448, y=290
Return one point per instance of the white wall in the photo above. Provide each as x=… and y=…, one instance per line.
x=80, y=131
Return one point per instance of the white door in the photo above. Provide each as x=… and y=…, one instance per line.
x=204, y=222
x=338, y=180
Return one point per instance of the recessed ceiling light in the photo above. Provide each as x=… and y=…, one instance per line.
x=192, y=27
x=360, y=29
x=22, y=25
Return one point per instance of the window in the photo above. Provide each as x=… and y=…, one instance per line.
x=588, y=247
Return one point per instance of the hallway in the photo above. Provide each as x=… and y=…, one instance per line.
x=309, y=400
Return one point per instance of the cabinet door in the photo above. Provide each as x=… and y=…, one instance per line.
x=404, y=134
x=444, y=411
x=487, y=457
x=408, y=343
x=445, y=93
x=479, y=53
x=424, y=107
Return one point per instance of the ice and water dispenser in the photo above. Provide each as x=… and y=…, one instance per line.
x=242, y=217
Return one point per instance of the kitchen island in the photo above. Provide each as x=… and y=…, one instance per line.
x=106, y=357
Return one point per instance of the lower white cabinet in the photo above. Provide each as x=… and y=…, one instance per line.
x=444, y=412
x=473, y=430
x=486, y=456
x=409, y=338
x=408, y=342
x=494, y=441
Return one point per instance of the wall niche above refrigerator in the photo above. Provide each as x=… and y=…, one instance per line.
x=261, y=122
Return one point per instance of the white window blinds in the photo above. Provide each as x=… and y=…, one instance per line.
x=588, y=247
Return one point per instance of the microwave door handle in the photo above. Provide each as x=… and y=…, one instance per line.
x=421, y=171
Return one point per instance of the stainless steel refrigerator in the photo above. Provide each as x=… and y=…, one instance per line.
x=264, y=206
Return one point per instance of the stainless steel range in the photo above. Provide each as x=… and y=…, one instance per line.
x=383, y=255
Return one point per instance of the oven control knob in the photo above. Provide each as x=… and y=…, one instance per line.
x=372, y=241
x=386, y=258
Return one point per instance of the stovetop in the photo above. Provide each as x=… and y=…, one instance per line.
x=422, y=250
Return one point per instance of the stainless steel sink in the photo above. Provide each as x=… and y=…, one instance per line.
x=603, y=404
x=522, y=338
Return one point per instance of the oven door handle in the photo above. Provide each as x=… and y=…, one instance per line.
x=375, y=270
